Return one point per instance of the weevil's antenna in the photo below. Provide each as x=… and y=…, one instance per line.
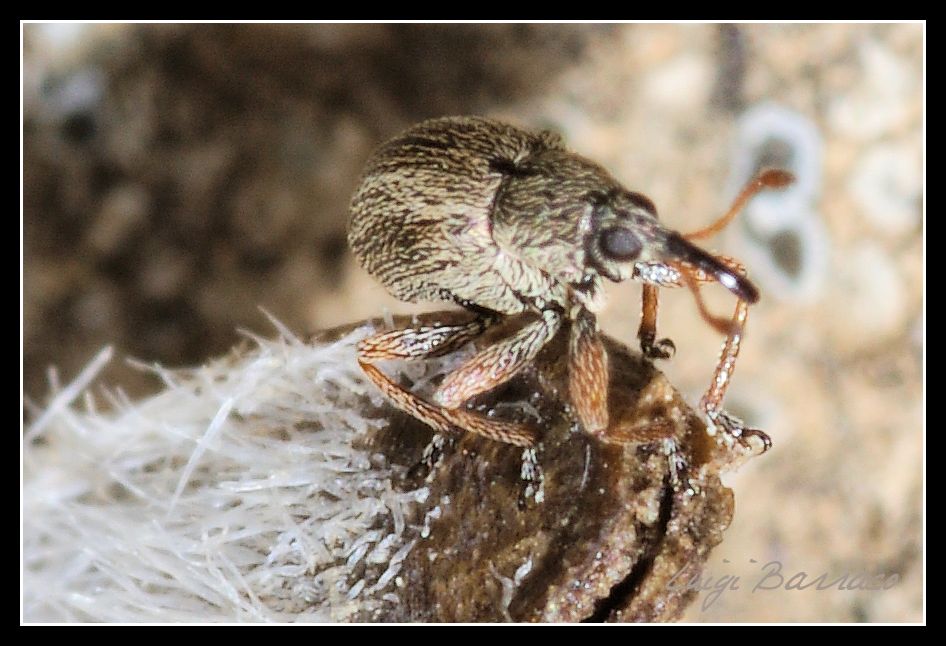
x=722, y=325
x=769, y=178
x=696, y=264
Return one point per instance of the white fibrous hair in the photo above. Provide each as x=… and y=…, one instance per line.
x=238, y=493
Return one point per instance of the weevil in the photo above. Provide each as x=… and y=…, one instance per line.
x=507, y=222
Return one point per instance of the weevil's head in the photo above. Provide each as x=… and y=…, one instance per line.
x=624, y=239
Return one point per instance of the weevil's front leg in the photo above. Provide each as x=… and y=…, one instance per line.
x=647, y=332
x=499, y=362
x=588, y=374
x=718, y=420
x=425, y=342
x=712, y=400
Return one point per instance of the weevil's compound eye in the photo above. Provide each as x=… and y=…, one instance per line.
x=619, y=244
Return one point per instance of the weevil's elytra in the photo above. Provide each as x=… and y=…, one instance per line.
x=509, y=222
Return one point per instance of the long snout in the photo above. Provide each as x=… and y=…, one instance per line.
x=679, y=248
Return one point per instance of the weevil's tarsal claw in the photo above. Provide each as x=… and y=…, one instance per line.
x=660, y=349
x=762, y=436
x=730, y=430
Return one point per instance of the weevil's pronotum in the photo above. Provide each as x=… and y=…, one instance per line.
x=507, y=222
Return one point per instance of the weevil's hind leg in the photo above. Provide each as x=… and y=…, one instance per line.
x=432, y=341
x=588, y=374
x=447, y=421
x=425, y=341
x=647, y=332
x=499, y=362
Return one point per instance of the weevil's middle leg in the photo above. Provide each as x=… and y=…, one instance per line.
x=428, y=341
x=588, y=374
x=647, y=332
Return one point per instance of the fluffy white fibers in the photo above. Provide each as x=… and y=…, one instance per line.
x=237, y=493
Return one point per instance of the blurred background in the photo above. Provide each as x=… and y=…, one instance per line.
x=177, y=178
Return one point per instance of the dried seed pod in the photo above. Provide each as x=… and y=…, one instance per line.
x=577, y=529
